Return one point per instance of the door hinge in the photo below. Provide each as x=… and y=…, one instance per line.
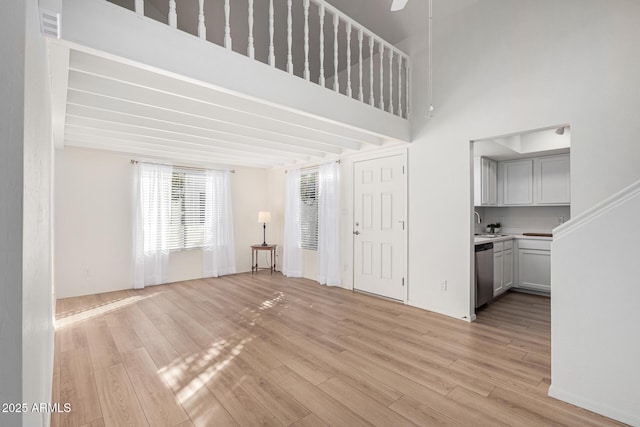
x=403, y=281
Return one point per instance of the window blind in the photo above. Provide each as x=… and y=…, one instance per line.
x=188, y=198
x=309, y=210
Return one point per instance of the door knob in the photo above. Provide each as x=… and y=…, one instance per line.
x=356, y=232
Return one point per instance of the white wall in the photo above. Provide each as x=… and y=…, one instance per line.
x=502, y=67
x=11, y=181
x=94, y=222
x=595, y=351
x=37, y=280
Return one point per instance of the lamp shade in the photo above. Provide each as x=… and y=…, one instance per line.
x=264, y=216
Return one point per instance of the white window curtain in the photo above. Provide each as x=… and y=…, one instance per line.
x=218, y=251
x=292, y=253
x=329, y=224
x=153, y=218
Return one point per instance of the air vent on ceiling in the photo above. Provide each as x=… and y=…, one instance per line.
x=50, y=23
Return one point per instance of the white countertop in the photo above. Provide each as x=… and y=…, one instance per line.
x=479, y=239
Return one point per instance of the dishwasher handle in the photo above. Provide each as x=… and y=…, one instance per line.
x=484, y=247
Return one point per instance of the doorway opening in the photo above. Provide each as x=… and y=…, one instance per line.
x=521, y=191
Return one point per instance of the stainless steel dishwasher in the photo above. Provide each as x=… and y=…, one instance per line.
x=484, y=273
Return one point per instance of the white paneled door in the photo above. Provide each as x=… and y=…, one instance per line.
x=379, y=226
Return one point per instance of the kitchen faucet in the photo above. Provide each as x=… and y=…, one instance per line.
x=478, y=215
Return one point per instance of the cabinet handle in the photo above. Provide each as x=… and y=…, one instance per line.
x=356, y=232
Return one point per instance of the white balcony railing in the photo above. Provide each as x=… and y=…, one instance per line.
x=321, y=44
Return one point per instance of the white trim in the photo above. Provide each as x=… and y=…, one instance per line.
x=593, y=406
x=598, y=210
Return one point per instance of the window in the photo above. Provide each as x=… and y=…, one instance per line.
x=309, y=210
x=188, y=201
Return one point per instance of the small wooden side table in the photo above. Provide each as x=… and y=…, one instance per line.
x=255, y=249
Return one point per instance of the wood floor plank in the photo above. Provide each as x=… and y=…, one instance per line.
x=324, y=406
x=264, y=391
x=55, y=382
x=95, y=423
x=269, y=350
x=158, y=402
x=72, y=337
x=205, y=410
x=123, y=333
x=420, y=414
x=118, y=400
x=245, y=410
x=366, y=383
x=102, y=347
x=78, y=388
x=310, y=420
x=362, y=404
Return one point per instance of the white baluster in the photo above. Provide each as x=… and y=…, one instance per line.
x=391, y=81
x=307, y=73
x=407, y=68
x=202, y=30
x=349, y=91
x=381, y=50
x=272, y=52
x=173, y=16
x=227, y=28
x=139, y=7
x=321, y=12
x=400, y=85
x=251, y=51
x=360, y=91
x=336, y=83
x=289, y=38
x=371, y=97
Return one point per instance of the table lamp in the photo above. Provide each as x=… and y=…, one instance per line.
x=264, y=217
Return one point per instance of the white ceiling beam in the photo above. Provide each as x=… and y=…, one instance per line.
x=88, y=63
x=175, y=155
x=213, y=138
x=132, y=93
x=141, y=110
x=77, y=127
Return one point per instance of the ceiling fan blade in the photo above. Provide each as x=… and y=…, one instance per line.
x=398, y=5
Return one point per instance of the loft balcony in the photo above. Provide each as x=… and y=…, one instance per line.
x=269, y=83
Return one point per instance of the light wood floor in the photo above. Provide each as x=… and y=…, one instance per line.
x=266, y=350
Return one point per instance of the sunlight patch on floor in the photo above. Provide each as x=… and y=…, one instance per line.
x=175, y=373
x=95, y=311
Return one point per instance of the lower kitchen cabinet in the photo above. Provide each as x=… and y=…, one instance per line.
x=507, y=271
x=502, y=266
x=498, y=266
x=534, y=265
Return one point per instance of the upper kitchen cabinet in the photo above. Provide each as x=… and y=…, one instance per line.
x=485, y=182
x=517, y=182
x=552, y=180
x=538, y=181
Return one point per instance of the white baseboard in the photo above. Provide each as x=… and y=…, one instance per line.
x=607, y=411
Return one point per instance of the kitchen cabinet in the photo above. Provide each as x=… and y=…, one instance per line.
x=502, y=266
x=485, y=182
x=534, y=265
x=517, y=182
x=498, y=266
x=552, y=180
x=507, y=271
x=539, y=181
